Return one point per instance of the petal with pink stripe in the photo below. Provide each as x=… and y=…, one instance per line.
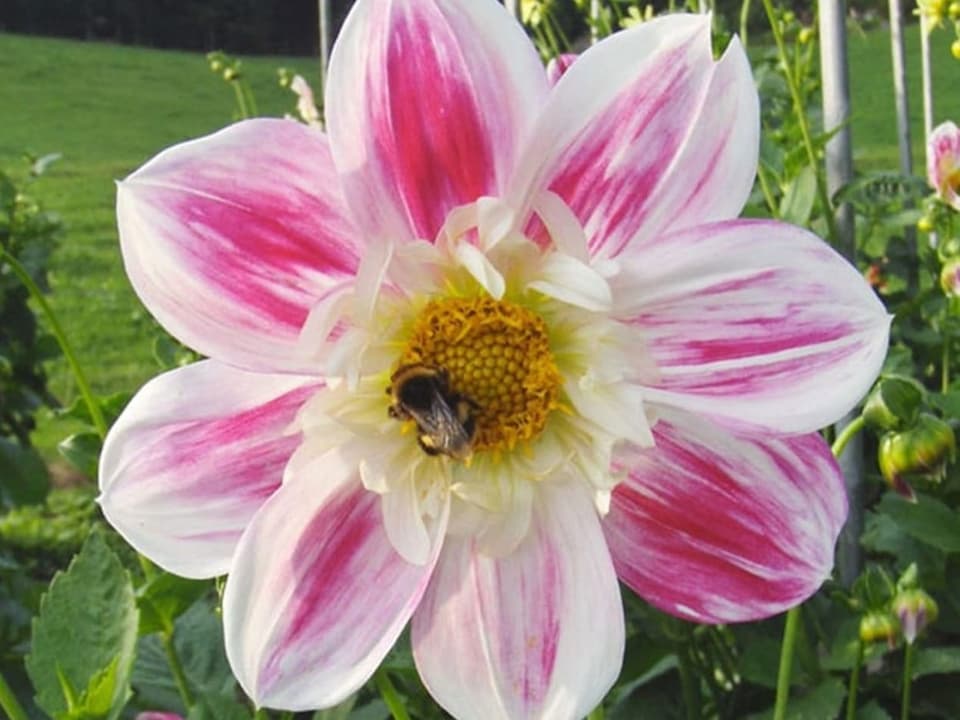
x=426, y=105
x=715, y=527
x=615, y=124
x=317, y=595
x=538, y=633
x=756, y=323
x=193, y=456
x=229, y=240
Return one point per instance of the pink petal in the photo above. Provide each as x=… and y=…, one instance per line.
x=317, y=595
x=759, y=324
x=231, y=239
x=426, y=105
x=191, y=459
x=538, y=633
x=646, y=130
x=715, y=527
x=559, y=65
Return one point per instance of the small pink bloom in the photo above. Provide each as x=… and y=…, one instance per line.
x=479, y=350
x=153, y=715
x=559, y=65
x=943, y=163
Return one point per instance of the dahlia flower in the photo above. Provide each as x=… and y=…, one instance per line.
x=480, y=350
x=943, y=163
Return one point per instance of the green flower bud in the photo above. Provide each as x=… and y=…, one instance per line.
x=923, y=450
x=948, y=249
x=893, y=404
x=805, y=35
x=915, y=610
x=950, y=278
x=955, y=49
x=954, y=10
x=216, y=66
x=231, y=74
x=925, y=224
x=877, y=627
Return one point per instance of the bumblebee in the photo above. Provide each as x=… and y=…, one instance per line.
x=446, y=420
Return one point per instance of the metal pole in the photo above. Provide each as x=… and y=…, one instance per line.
x=839, y=166
x=323, y=11
x=900, y=88
x=927, y=77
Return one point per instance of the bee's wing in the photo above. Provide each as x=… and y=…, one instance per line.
x=440, y=422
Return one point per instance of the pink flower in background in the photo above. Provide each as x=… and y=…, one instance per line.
x=943, y=163
x=483, y=348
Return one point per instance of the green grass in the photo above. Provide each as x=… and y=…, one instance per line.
x=109, y=108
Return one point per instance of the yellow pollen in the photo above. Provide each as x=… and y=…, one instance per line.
x=497, y=355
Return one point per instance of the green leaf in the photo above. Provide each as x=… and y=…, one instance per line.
x=82, y=450
x=164, y=598
x=822, y=702
x=87, y=621
x=928, y=520
x=198, y=639
x=337, y=712
x=872, y=711
x=23, y=475
x=936, y=661
x=219, y=707
x=797, y=202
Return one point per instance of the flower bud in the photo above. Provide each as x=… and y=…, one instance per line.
x=925, y=224
x=877, y=627
x=915, y=610
x=216, y=66
x=948, y=249
x=943, y=163
x=955, y=49
x=954, y=10
x=893, y=404
x=231, y=74
x=922, y=450
x=950, y=278
x=805, y=35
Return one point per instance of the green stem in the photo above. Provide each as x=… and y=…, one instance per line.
x=786, y=660
x=767, y=193
x=9, y=702
x=804, y=125
x=907, y=681
x=744, y=20
x=854, y=683
x=96, y=416
x=848, y=433
x=179, y=677
x=241, y=101
x=688, y=683
x=390, y=695
x=945, y=368
x=261, y=714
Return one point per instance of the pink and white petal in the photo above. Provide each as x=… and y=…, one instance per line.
x=231, y=239
x=614, y=125
x=317, y=595
x=193, y=457
x=427, y=104
x=758, y=324
x=537, y=633
x=715, y=527
x=712, y=174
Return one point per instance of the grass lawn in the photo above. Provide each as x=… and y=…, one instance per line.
x=109, y=108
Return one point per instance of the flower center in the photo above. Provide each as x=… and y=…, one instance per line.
x=489, y=364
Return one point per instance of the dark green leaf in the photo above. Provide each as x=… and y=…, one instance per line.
x=936, y=661
x=219, y=707
x=928, y=520
x=23, y=475
x=822, y=702
x=164, y=598
x=82, y=450
x=88, y=620
x=872, y=711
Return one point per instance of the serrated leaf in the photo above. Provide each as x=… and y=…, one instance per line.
x=936, y=661
x=927, y=519
x=87, y=620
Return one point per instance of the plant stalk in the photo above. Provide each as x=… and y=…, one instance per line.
x=8, y=701
x=907, y=680
x=179, y=677
x=390, y=695
x=96, y=416
x=846, y=435
x=854, y=684
x=786, y=658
